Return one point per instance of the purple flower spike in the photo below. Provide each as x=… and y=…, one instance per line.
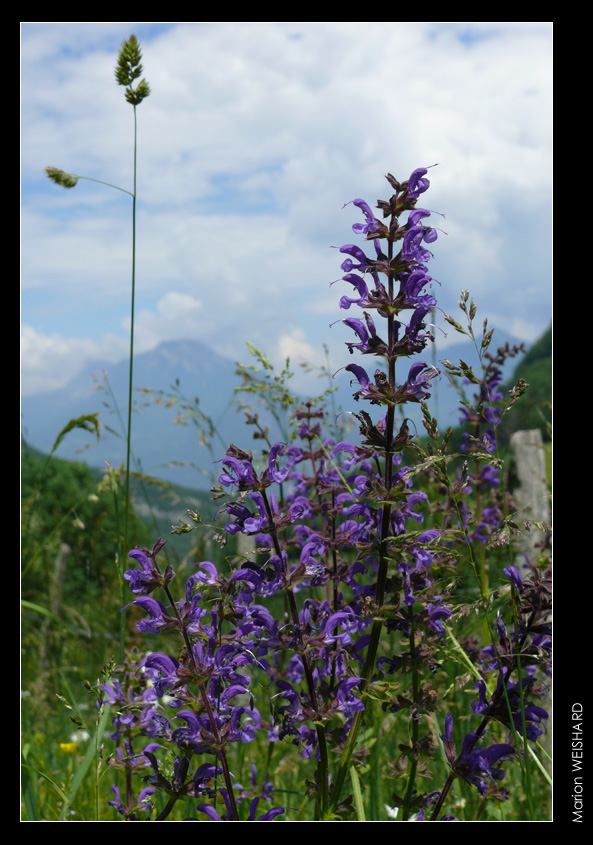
x=514, y=577
x=350, y=575
x=475, y=765
x=361, y=376
x=157, y=612
x=277, y=475
x=371, y=225
x=242, y=474
x=437, y=612
x=146, y=579
x=417, y=184
x=416, y=387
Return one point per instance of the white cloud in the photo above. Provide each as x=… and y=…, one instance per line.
x=50, y=361
x=178, y=315
x=296, y=347
x=254, y=137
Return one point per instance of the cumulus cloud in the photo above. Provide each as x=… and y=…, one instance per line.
x=296, y=347
x=49, y=361
x=177, y=315
x=246, y=158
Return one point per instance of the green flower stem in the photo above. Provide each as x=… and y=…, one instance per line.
x=109, y=185
x=481, y=730
x=441, y=799
x=208, y=708
x=125, y=538
x=376, y=630
x=415, y=722
x=167, y=809
x=323, y=779
x=130, y=381
x=69, y=181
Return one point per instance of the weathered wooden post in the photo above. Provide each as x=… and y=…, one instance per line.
x=529, y=486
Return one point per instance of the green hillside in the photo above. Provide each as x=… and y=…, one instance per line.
x=534, y=408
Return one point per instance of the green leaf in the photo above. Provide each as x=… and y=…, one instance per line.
x=28, y=791
x=383, y=691
x=88, y=758
x=88, y=422
x=37, y=608
x=357, y=793
x=58, y=789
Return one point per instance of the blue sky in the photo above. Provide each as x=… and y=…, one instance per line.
x=255, y=136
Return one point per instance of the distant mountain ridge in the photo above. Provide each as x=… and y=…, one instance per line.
x=195, y=371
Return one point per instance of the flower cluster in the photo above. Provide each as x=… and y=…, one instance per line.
x=350, y=542
x=480, y=420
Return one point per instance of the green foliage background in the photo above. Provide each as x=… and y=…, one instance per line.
x=534, y=409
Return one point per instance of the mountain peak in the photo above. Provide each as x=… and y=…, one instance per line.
x=184, y=367
x=188, y=373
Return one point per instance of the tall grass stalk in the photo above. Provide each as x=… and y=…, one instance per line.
x=127, y=70
x=131, y=368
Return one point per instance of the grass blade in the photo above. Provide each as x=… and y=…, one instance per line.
x=357, y=794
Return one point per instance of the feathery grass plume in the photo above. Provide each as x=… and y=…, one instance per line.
x=129, y=68
x=60, y=177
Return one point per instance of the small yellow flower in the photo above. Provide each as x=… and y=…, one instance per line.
x=69, y=747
